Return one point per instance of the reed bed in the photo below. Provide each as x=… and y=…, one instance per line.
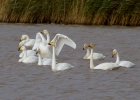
x=89, y=12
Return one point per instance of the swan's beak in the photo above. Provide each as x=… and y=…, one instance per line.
x=113, y=54
x=36, y=51
x=42, y=32
x=51, y=43
x=19, y=48
x=21, y=39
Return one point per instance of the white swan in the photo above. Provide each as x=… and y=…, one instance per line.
x=46, y=50
x=27, y=59
x=59, y=66
x=103, y=66
x=96, y=56
x=127, y=64
x=44, y=61
x=27, y=41
x=29, y=52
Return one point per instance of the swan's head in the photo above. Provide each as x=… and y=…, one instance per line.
x=114, y=52
x=90, y=45
x=23, y=37
x=20, y=48
x=44, y=31
x=51, y=43
x=85, y=46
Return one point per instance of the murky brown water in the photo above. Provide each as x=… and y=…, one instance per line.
x=20, y=81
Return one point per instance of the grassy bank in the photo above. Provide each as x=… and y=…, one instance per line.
x=96, y=12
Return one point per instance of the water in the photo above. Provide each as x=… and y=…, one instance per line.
x=20, y=81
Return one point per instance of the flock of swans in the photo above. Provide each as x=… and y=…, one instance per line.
x=44, y=52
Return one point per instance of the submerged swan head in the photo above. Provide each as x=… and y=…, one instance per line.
x=114, y=52
x=85, y=46
x=44, y=32
x=24, y=37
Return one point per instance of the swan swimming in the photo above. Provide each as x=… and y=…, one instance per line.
x=27, y=41
x=44, y=61
x=127, y=64
x=29, y=52
x=59, y=66
x=27, y=59
x=96, y=56
x=46, y=50
x=103, y=66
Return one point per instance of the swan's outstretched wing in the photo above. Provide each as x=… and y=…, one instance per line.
x=39, y=38
x=60, y=40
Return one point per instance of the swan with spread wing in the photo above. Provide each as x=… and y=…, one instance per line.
x=46, y=50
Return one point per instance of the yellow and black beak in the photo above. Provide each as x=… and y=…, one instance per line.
x=113, y=53
x=21, y=39
x=19, y=48
x=90, y=45
x=36, y=51
x=85, y=46
x=51, y=43
x=42, y=32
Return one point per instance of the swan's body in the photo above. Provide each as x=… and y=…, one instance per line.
x=46, y=50
x=29, y=52
x=44, y=61
x=126, y=64
x=27, y=59
x=59, y=66
x=102, y=66
x=96, y=56
x=27, y=42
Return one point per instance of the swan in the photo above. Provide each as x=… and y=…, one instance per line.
x=27, y=59
x=27, y=42
x=126, y=64
x=96, y=56
x=46, y=50
x=59, y=66
x=44, y=61
x=103, y=66
x=29, y=52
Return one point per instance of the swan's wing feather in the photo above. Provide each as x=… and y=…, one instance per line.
x=60, y=40
x=39, y=38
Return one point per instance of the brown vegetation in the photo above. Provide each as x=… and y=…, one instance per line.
x=90, y=12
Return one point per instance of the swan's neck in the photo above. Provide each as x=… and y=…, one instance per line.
x=25, y=53
x=27, y=38
x=53, y=60
x=88, y=52
x=48, y=37
x=39, y=59
x=91, y=60
x=117, y=58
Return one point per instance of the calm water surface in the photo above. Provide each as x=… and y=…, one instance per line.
x=20, y=81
